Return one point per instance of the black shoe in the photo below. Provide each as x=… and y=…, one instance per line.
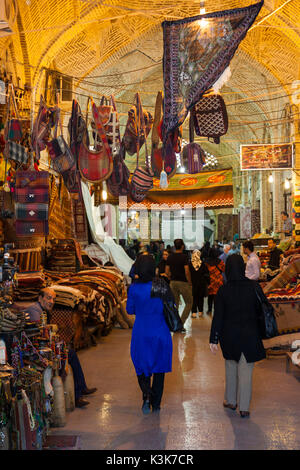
x=228, y=405
x=89, y=391
x=183, y=330
x=146, y=407
x=155, y=409
x=80, y=403
x=244, y=414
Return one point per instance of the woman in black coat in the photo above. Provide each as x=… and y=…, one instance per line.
x=200, y=281
x=235, y=325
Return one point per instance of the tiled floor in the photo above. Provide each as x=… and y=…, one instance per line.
x=192, y=415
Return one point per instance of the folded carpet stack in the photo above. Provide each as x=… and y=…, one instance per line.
x=11, y=322
x=29, y=285
x=87, y=301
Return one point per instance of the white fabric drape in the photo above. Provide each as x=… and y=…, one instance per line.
x=105, y=242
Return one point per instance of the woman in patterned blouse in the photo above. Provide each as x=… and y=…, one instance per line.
x=215, y=267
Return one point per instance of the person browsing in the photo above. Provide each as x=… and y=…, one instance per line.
x=253, y=263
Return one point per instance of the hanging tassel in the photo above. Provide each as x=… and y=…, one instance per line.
x=163, y=181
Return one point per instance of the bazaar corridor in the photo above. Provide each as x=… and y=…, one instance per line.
x=192, y=416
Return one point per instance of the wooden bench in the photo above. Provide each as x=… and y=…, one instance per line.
x=289, y=361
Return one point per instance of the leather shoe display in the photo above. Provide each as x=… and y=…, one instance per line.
x=80, y=403
x=89, y=391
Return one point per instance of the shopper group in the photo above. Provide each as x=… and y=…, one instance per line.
x=232, y=290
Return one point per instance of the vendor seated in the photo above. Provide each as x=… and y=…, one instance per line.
x=275, y=257
x=34, y=312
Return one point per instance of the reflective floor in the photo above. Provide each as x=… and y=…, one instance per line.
x=192, y=415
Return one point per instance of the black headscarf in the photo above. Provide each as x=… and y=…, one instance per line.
x=235, y=268
x=213, y=257
x=145, y=268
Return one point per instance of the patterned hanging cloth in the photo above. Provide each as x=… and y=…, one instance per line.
x=197, y=50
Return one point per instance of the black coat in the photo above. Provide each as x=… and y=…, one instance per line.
x=235, y=322
x=200, y=280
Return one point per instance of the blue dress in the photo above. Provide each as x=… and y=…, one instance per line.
x=151, y=341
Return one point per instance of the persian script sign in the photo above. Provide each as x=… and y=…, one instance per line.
x=266, y=156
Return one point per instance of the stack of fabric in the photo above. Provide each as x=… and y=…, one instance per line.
x=29, y=285
x=64, y=256
x=11, y=322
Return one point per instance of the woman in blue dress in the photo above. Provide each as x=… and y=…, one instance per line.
x=151, y=341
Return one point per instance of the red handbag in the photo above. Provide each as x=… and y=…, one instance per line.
x=95, y=166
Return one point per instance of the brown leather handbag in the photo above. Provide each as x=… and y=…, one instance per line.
x=95, y=166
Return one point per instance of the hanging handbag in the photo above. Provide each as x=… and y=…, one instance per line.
x=133, y=139
x=161, y=289
x=266, y=319
x=192, y=153
x=163, y=158
x=109, y=118
x=210, y=116
x=95, y=166
x=156, y=152
x=118, y=182
x=45, y=119
x=13, y=129
x=17, y=152
x=59, y=151
x=142, y=178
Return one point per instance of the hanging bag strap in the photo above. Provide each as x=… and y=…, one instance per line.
x=14, y=101
x=191, y=127
x=157, y=119
x=142, y=127
x=100, y=129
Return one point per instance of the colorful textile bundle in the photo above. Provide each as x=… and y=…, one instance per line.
x=32, y=218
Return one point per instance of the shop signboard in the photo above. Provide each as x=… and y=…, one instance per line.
x=266, y=156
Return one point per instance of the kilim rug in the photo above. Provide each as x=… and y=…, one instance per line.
x=62, y=442
x=197, y=50
x=56, y=221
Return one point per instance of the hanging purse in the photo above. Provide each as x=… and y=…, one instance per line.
x=59, y=151
x=210, y=116
x=156, y=152
x=42, y=127
x=133, y=139
x=142, y=178
x=192, y=153
x=17, y=152
x=95, y=166
x=118, y=182
x=13, y=129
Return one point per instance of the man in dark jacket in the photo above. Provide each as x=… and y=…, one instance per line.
x=235, y=325
x=35, y=313
x=178, y=271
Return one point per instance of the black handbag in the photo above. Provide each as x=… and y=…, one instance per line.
x=161, y=289
x=267, y=320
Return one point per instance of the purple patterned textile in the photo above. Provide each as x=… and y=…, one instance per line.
x=197, y=50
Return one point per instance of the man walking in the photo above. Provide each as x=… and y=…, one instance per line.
x=178, y=271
